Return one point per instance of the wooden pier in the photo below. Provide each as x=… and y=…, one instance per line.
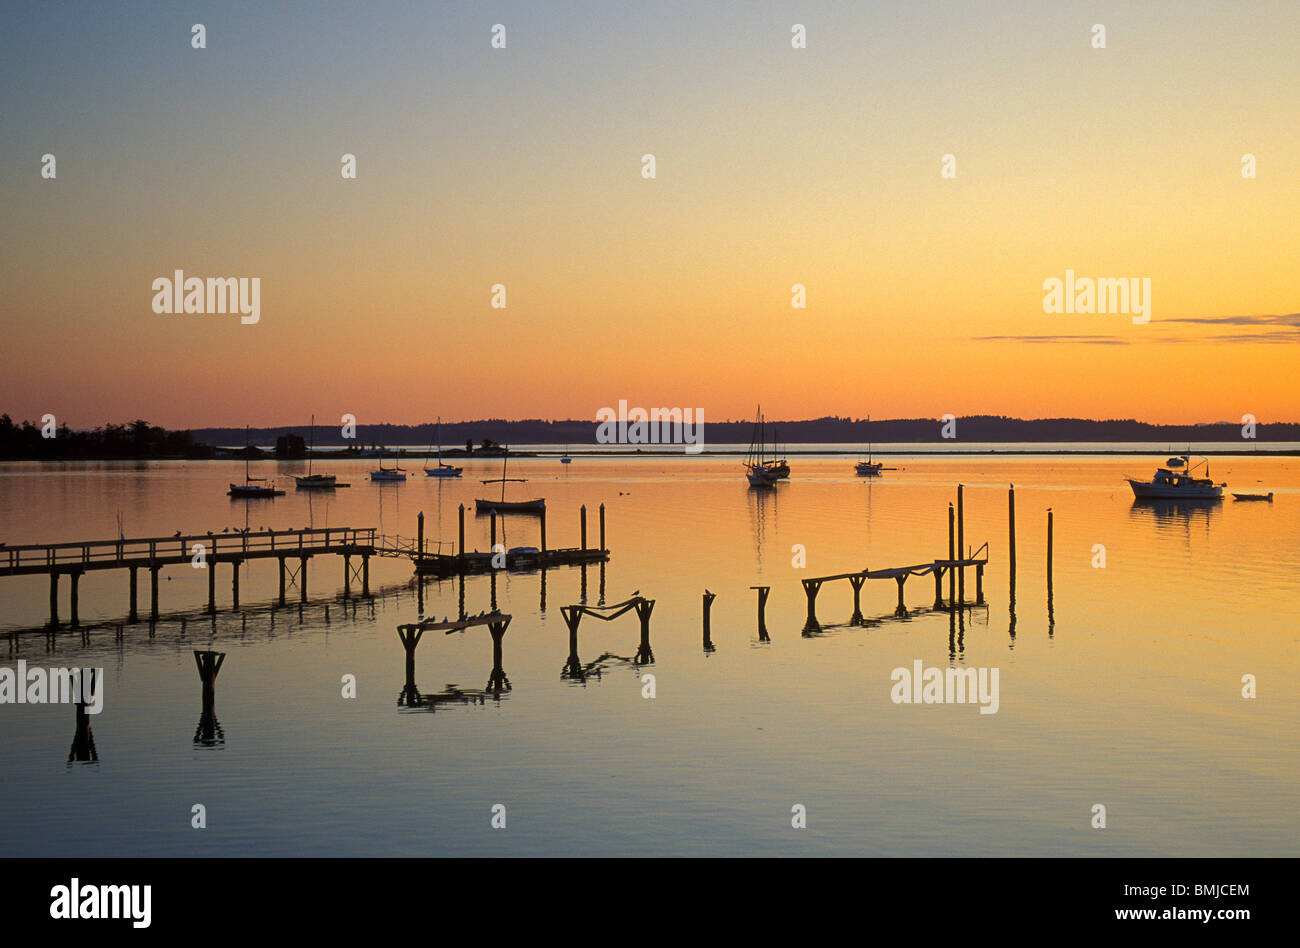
x=196, y=550
x=499, y=558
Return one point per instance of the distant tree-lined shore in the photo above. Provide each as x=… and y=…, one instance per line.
x=140, y=440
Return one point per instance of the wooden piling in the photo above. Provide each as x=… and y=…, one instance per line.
x=543, y=533
x=132, y=616
x=1011, y=533
x=582, y=519
x=708, y=606
x=419, y=536
x=460, y=545
x=961, y=546
x=902, y=607
x=938, y=586
x=979, y=584
x=211, y=567
x=811, y=587
x=365, y=575
x=347, y=576
x=302, y=579
x=280, y=559
x=153, y=592
x=492, y=546
x=952, y=555
x=1049, y=547
x=763, y=592
x=74, y=614
x=602, y=528
x=54, y=600
x=856, y=582
x=234, y=587
x=644, y=656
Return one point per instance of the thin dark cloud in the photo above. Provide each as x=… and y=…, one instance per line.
x=1290, y=319
x=1084, y=340
x=1264, y=329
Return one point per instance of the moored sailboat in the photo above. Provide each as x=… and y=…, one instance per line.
x=534, y=506
x=310, y=481
x=250, y=487
x=443, y=469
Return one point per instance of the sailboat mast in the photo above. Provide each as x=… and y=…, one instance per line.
x=311, y=450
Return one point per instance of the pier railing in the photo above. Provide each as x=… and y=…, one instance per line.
x=100, y=554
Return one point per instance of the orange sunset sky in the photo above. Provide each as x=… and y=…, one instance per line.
x=775, y=166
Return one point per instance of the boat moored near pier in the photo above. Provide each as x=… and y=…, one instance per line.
x=1179, y=485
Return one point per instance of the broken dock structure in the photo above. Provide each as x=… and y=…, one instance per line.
x=525, y=558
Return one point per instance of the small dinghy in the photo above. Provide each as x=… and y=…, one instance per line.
x=1268, y=497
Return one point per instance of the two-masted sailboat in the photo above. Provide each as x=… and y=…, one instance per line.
x=442, y=469
x=758, y=469
x=310, y=481
x=393, y=474
x=535, y=506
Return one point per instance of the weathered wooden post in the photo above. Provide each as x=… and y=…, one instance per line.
x=602, y=528
x=582, y=518
x=133, y=616
x=856, y=582
x=209, y=664
x=952, y=555
x=961, y=546
x=211, y=566
x=810, y=589
x=708, y=606
x=54, y=599
x=762, y=611
x=234, y=586
x=302, y=581
x=543, y=533
x=74, y=578
x=1049, y=547
x=979, y=584
x=419, y=535
x=153, y=592
x=492, y=544
x=572, y=664
x=643, y=609
x=281, y=561
x=460, y=544
x=365, y=575
x=410, y=637
x=497, y=680
x=83, y=741
x=347, y=576
x=938, y=585
x=901, y=578
x=1011, y=533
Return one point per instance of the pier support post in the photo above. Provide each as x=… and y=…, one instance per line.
x=572, y=664
x=497, y=681
x=902, y=607
x=810, y=589
x=460, y=545
x=856, y=582
x=938, y=586
x=365, y=575
x=74, y=614
x=582, y=519
x=602, y=528
x=302, y=580
x=952, y=555
x=153, y=592
x=1011, y=533
x=419, y=537
x=234, y=587
x=643, y=654
x=54, y=600
x=83, y=741
x=347, y=576
x=762, y=611
x=132, y=616
x=281, y=561
x=209, y=664
x=708, y=606
x=1049, y=546
x=492, y=543
x=211, y=567
x=979, y=584
x=543, y=534
x=410, y=636
x=961, y=547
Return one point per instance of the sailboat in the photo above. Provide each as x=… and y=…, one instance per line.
x=248, y=488
x=310, y=481
x=565, y=459
x=778, y=466
x=757, y=471
x=388, y=474
x=442, y=470
x=869, y=468
x=535, y=506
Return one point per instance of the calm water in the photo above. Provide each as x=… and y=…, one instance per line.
x=1131, y=699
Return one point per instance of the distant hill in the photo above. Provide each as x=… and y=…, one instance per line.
x=829, y=430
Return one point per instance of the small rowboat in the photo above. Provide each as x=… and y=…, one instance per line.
x=511, y=506
x=1268, y=497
